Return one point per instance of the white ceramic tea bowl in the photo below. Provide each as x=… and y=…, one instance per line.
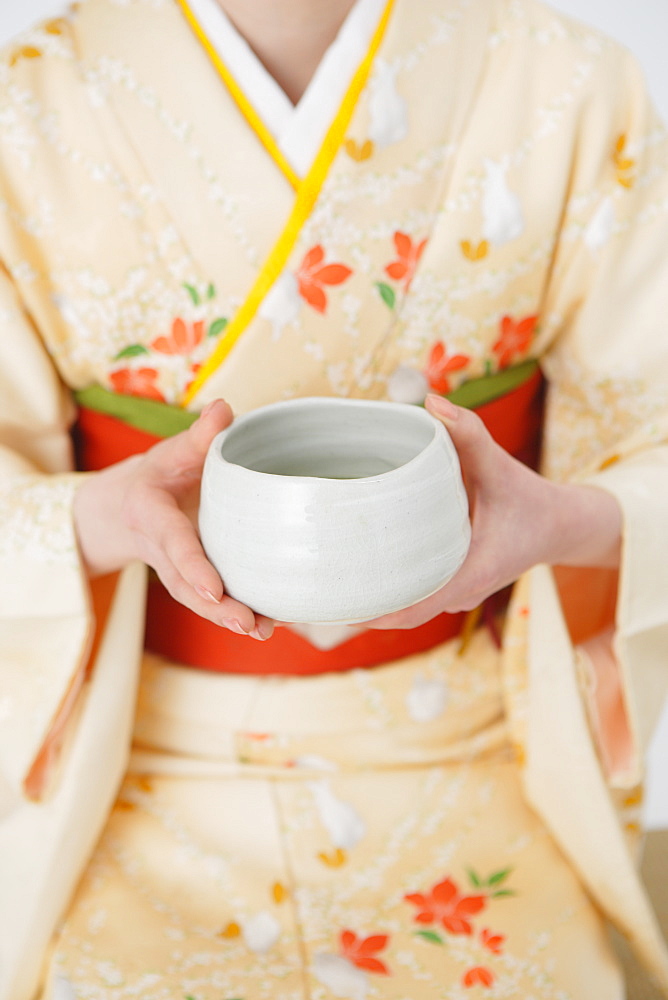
x=326, y=510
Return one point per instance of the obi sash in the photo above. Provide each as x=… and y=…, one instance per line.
x=106, y=432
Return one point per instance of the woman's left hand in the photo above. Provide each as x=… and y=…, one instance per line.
x=518, y=519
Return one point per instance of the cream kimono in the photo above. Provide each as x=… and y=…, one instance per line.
x=493, y=187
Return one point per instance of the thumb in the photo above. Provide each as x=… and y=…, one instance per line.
x=470, y=437
x=185, y=453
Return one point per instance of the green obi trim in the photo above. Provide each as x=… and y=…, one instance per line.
x=164, y=420
x=149, y=415
x=478, y=391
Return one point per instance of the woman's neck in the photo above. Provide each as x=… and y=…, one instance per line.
x=289, y=37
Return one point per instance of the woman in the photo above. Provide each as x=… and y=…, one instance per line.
x=462, y=190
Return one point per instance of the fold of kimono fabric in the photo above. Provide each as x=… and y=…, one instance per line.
x=356, y=835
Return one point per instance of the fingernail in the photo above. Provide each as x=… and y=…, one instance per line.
x=207, y=595
x=442, y=406
x=208, y=408
x=234, y=626
x=261, y=632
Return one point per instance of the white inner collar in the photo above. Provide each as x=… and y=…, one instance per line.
x=298, y=129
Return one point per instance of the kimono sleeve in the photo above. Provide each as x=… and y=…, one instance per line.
x=606, y=359
x=45, y=620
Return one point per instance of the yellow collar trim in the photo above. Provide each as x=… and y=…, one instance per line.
x=307, y=194
x=244, y=105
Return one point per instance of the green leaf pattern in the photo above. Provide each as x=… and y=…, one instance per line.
x=498, y=877
x=215, y=328
x=131, y=351
x=430, y=936
x=387, y=294
x=495, y=879
x=193, y=293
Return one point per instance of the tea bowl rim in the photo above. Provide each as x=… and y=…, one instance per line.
x=419, y=414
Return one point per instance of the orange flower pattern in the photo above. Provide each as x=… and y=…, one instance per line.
x=408, y=257
x=440, y=365
x=514, y=338
x=312, y=275
x=137, y=382
x=362, y=951
x=478, y=976
x=493, y=942
x=444, y=904
x=186, y=339
x=183, y=339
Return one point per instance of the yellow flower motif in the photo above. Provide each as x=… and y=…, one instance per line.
x=623, y=164
x=475, y=251
x=124, y=805
x=611, y=460
x=634, y=798
x=26, y=52
x=358, y=151
x=232, y=930
x=141, y=781
x=279, y=892
x=334, y=859
x=56, y=26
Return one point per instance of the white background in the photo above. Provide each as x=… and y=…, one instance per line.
x=643, y=26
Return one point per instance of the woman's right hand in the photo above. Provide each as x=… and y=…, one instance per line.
x=146, y=508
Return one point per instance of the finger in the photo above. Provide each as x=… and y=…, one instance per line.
x=475, y=446
x=423, y=612
x=264, y=627
x=411, y=617
x=173, y=532
x=473, y=582
x=185, y=453
x=172, y=541
x=227, y=613
x=157, y=522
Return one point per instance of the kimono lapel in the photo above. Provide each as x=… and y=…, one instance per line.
x=245, y=106
x=323, y=317
x=307, y=194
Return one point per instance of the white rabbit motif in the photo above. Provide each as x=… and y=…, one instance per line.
x=407, y=385
x=427, y=698
x=261, y=932
x=600, y=228
x=388, y=109
x=63, y=989
x=281, y=304
x=341, y=820
x=502, y=213
x=340, y=976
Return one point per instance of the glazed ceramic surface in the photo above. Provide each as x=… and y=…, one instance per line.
x=333, y=510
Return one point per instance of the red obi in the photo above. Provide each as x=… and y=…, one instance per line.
x=514, y=419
